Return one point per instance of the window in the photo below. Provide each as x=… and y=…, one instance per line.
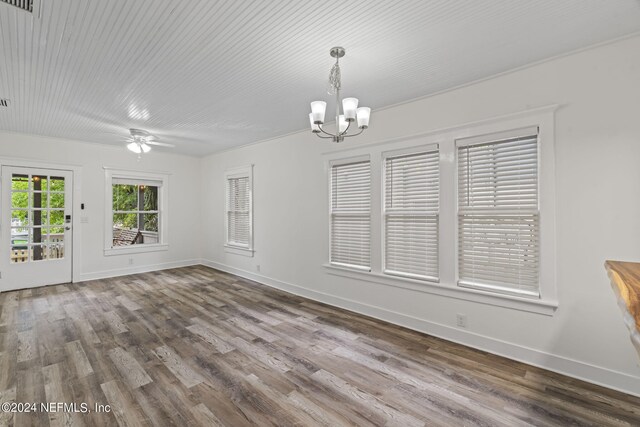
x=350, y=204
x=135, y=218
x=498, y=216
x=411, y=199
x=239, y=215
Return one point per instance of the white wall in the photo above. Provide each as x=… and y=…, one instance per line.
x=184, y=196
x=598, y=212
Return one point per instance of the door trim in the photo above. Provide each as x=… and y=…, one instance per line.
x=76, y=173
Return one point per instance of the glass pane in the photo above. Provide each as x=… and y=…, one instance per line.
x=20, y=200
x=56, y=251
x=56, y=217
x=40, y=235
x=19, y=254
x=150, y=222
x=56, y=200
x=127, y=221
x=56, y=230
x=20, y=237
x=38, y=200
x=56, y=183
x=39, y=182
x=38, y=217
x=125, y=197
x=19, y=218
x=56, y=235
x=150, y=197
x=38, y=252
x=19, y=182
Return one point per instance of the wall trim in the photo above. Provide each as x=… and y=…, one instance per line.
x=105, y=274
x=570, y=367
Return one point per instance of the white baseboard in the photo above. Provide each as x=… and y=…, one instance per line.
x=95, y=275
x=573, y=368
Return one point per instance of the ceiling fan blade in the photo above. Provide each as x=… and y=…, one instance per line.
x=160, y=144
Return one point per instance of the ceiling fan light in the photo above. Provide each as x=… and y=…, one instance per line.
x=135, y=147
x=145, y=147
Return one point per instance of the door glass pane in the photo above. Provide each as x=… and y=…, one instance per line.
x=39, y=183
x=19, y=182
x=56, y=251
x=56, y=217
x=20, y=200
x=19, y=218
x=38, y=200
x=56, y=183
x=38, y=252
x=38, y=217
x=56, y=200
x=20, y=237
x=39, y=235
x=19, y=254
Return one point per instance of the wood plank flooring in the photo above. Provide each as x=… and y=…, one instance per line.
x=197, y=347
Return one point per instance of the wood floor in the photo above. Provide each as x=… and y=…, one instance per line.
x=195, y=346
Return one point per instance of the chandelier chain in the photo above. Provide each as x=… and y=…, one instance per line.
x=335, y=79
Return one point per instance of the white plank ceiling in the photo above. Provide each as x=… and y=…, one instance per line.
x=209, y=75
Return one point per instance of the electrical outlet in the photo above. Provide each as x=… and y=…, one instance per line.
x=258, y=267
x=461, y=320
x=130, y=261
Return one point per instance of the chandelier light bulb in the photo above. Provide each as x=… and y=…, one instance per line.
x=349, y=106
x=317, y=109
x=314, y=127
x=363, y=117
x=145, y=147
x=342, y=123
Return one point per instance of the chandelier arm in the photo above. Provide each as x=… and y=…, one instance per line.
x=355, y=134
x=325, y=132
x=324, y=137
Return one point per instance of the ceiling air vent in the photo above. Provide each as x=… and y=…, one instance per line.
x=4, y=102
x=31, y=6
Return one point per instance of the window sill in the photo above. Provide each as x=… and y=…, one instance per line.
x=239, y=250
x=538, y=306
x=136, y=249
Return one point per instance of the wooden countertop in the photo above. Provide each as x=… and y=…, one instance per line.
x=625, y=281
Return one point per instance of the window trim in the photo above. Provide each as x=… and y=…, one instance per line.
x=163, y=229
x=542, y=117
x=229, y=247
x=425, y=148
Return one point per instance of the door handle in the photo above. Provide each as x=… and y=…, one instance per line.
x=67, y=228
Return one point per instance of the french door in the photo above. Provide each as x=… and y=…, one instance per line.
x=35, y=227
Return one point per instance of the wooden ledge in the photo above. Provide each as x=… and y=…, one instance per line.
x=625, y=281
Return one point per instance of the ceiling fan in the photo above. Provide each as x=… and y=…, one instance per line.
x=141, y=140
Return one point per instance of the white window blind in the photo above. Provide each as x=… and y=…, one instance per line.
x=351, y=215
x=411, y=194
x=498, y=216
x=238, y=211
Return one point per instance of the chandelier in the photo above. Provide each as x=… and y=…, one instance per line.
x=351, y=112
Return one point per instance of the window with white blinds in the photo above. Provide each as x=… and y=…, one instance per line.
x=350, y=199
x=498, y=216
x=411, y=203
x=239, y=221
